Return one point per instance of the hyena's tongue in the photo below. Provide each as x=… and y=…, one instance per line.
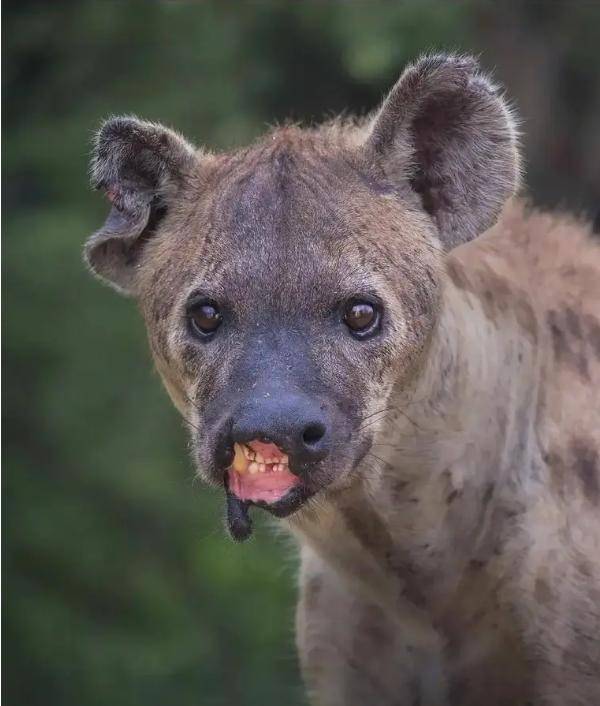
x=260, y=472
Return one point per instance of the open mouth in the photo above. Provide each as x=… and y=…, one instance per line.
x=260, y=472
x=260, y=475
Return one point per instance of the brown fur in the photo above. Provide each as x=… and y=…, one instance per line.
x=450, y=552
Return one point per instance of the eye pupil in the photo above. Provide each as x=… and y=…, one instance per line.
x=360, y=316
x=205, y=318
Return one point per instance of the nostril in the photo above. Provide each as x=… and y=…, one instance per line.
x=313, y=433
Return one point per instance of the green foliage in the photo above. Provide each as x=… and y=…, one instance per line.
x=120, y=585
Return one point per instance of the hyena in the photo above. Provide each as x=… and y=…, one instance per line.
x=361, y=347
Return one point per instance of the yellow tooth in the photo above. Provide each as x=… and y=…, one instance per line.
x=253, y=468
x=259, y=458
x=240, y=463
x=284, y=458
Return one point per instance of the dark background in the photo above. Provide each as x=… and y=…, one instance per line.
x=120, y=586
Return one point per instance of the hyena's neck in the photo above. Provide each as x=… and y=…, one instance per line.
x=444, y=491
x=461, y=440
x=444, y=485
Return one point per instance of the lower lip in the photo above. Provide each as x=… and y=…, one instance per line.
x=268, y=487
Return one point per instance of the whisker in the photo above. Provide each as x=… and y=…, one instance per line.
x=383, y=409
x=373, y=421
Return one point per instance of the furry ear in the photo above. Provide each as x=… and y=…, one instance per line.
x=446, y=130
x=140, y=166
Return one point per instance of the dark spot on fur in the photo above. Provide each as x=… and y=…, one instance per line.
x=558, y=474
x=542, y=591
x=584, y=567
x=496, y=296
x=572, y=322
x=566, y=340
x=367, y=528
x=585, y=458
x=476, y=564
x=374, y=536
x=412, y=586
x=593, y=333
x=398, y=488
x=558, y=337
x=452, y=497
x=488, y=304
x=457, y=274
x=487, y=495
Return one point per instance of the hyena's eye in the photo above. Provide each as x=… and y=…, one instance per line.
x=204, y=317
x=362, y=317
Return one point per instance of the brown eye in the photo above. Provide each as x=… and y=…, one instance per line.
x=361, y=317
x=205, y=317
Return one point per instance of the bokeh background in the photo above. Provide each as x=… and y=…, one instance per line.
x=120, y=586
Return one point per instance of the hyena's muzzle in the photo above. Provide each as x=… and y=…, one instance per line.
x=277, y=430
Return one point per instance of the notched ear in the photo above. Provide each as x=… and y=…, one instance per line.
x=140, y=166
x=445, y=129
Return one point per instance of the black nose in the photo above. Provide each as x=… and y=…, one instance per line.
x=292, y=420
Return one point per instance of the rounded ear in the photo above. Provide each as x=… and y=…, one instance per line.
x=445, y=129
x=140, y=166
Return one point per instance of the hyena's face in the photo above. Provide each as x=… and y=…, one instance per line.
x=282, y=301
x=288, y=288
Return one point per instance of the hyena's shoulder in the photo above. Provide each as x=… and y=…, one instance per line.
x=556, y=259
x=544, y=268
x=540, y=272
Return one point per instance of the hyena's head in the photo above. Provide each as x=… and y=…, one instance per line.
x=287, y=287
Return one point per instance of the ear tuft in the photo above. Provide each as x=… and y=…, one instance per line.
x=140, y=166
x=445, y=129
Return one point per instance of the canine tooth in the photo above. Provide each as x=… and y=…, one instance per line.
x=253, y=467
x=240, y=463
x=262, y=467
x=259, y=458
x=246, y=450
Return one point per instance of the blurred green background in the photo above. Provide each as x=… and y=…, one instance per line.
x=120, y=585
